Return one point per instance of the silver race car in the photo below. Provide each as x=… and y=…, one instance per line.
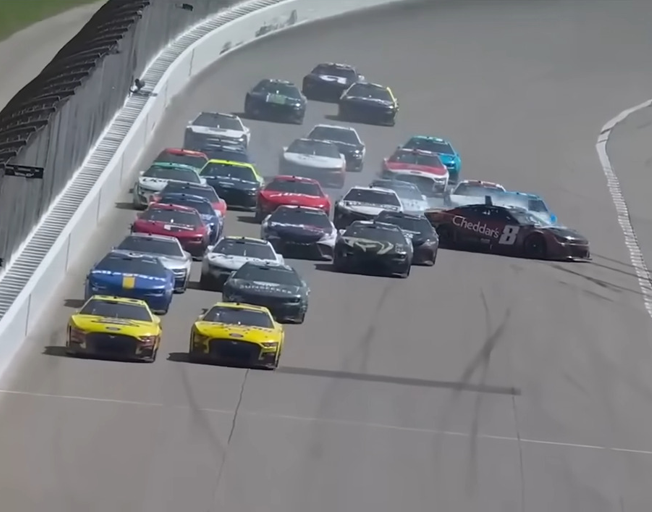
x=167, y=249
x=156, y=178
x=365, y=203
x=346, y=139
x=215, y=130
x=414, y=202
x=229, y=254
x=315, y=159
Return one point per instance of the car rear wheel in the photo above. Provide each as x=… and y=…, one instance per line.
x=534, y=246
x=446, y=235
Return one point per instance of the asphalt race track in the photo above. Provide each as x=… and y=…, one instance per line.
x=483, y=384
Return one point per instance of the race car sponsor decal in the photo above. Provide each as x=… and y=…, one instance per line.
x=128, y=282
x=506, y=236
x=276, y=99
x=364, y=244
x=331, y=78
x=120, y=274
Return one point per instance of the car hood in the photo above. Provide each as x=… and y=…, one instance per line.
x=170, y=262
x=324, y=162
x=264, y=288
x=344, y=147
x=368, y=209
x=402, y=166
x=206, y=130
x=299, y=232
x=154, y=184
x=414, y=206
x=225, y=182
x=98, y=324
x=369, y=101
x=140, y=282
x=289, y=198
x=368, y=245
x=339, y=80
x=566, y=233
x=233, y=262
x=278, y=99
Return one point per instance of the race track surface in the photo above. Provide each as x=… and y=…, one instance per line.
x=484, y=384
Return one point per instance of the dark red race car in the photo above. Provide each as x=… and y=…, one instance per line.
x=183, y=223
x=182, y=156
x=505, y=230
x=291, y=191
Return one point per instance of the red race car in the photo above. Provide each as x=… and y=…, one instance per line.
x=182, y=156
x=291, y=191
x=416, y=160
x=193, y=189
x=183, y=223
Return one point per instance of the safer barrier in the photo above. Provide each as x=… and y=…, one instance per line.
x=25, y=292
x=55, y=120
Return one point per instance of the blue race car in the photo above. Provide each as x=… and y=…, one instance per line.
x=447, y=154
x=531, y=202
x=206, y=211
x=133, y=277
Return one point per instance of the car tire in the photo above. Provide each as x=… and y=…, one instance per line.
x=406, y=273
x=258, y=215
x=207, y=283
x=534, y=246
x=446, y=236
x=338, y=265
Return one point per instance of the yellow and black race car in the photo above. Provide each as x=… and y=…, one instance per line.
x=238, y=334
x=114, y=327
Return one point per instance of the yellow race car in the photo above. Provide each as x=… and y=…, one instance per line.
x=238, y=183
x=114, y=327
x=238, y=334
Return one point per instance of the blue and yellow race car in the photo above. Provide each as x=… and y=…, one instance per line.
x=447, y=153
x=133, y=277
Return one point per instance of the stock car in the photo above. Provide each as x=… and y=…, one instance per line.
x=474, y=189
x=315, y=159
x=442, y=147
x=238, y=183
x=276, y=287
x=230, y=154
x=229, y=254
x=367, y=102
x=373, y=246
x=211, y=218
x=194, y=189
x=134, y=277
x=417, y=160
x=300, y=231
x=237, y=334
x=183, y=223
x=156, y=178
x=166, y=248
x=275, y=100
x=364, y=203
x=195, y=159
x=346, y=139
x=506, y=230
x=531, y=202
x=428, y=184
x=412, y=199
x=108, y=326
x=214, y=130
x=424, y=238
x=291, y=190
x=328, y=80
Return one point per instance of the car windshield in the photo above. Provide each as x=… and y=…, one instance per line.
x=172, y=217
x=196, y=161
x=421, y=225
x=414, y=158
x=307, y=188
x=329, y=69
x=213, y=120
x=371, y=232
x=334, y=134
x=117, y=310
x=474, y=190
x=315, y=148
x=371, y=196
x=235, y=316
x=151, y=245
x=127, y=265
x=244, y=248
x=203, y=207
x=299, y=217
x=404, y=190
x=268, y=274
x=172, y=173
x=362, y=90
x=229, y=171
x=432, y=145
x=537, y=205
x=425, y=184
x=206, y=192
x=525, y=217
x=287, y=90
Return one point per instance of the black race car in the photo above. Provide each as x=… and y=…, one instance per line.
x=365, y=102
x=276, y=287
x=276, y=100
x=346, y=139
x=328, y=80
x=300, y=231
x=425, y=240
x=235, y=182
x=373, y=246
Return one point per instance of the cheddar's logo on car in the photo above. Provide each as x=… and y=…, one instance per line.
x=477, y=227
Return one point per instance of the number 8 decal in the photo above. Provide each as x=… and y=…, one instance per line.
x=509, y=235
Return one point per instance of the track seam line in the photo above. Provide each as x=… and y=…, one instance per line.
x=520, y=453
x=624, y=219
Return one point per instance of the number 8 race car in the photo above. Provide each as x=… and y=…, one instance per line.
x=506, y=230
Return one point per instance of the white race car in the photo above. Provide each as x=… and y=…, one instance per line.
x=156, y=178
x=229, y=254
x=215, y=130
x=365, y=203
x=315, y=159
x=346, y=139
x=414, y=202
x=469, y=192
